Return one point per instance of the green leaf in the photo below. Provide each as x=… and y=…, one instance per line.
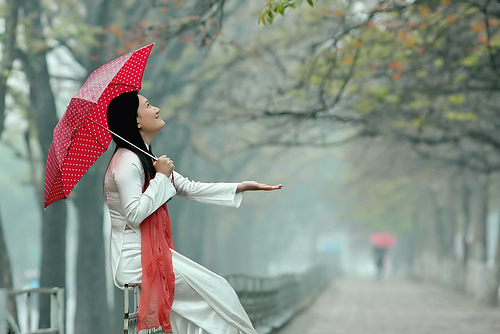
x=365, y=106
x=378, y=92
x=456, y=99
x=392, y=99
x=471, y=61
x=421, y=74
x=438, y=62
x=460, y=116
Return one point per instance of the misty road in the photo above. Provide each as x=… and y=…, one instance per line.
x=359, y=306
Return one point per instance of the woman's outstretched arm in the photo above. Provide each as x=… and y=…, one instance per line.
x=253, y=185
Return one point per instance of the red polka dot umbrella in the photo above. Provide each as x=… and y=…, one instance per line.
x=81, y=136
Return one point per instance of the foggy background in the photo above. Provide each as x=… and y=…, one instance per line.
x=365, y=134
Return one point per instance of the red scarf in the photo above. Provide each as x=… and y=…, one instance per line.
x=158, y=279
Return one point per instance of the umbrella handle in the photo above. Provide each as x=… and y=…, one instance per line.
x=125, y=140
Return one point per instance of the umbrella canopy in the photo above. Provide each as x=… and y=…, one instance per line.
x=383, y=240
x=81, y=136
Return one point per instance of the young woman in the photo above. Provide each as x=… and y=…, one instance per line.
x=177, y=294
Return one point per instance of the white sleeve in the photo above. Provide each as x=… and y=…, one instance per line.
x=138, y=205
x=209, y=193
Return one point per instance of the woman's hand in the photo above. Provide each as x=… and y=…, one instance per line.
x=164, y=165
x=252, y=185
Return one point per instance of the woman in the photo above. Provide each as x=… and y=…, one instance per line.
x=176, y=293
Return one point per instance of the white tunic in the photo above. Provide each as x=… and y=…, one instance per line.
x=196, y=288
x=128, y=205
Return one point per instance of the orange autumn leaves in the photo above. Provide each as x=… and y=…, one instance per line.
x=398, y=67
x=483, y=31
x=420, y=31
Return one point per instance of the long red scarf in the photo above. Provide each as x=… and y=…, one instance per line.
x=158, y=279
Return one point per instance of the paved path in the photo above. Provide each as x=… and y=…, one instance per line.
x=364, y=306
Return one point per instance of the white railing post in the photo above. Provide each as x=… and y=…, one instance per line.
x=126, y=311
x=57, y=310
x=137, y=297
x=29, y=310
x=3, y=311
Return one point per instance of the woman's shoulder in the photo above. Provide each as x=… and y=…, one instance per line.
x=123, y=156
x=123, y=153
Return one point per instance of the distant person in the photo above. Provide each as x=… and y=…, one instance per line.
x=177, y=294
x=379, y=255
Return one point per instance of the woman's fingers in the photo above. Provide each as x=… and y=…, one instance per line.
x=266, y=187
x=164, y=165
x=252, y=185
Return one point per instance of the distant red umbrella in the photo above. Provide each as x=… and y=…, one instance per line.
x=81, y=136
x=383, y=240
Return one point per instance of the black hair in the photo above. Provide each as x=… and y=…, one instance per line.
x=122, y=120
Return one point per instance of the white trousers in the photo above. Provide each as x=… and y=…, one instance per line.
x=204, y=303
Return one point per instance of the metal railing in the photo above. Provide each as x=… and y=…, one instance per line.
x=29, y=299
x=133, y=291
x=270, y=302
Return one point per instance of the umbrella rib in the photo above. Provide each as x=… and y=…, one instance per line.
x=125, y=140
x=123, y=84
x=90, y=133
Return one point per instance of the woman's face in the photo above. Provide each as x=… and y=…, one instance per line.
x=149, y=121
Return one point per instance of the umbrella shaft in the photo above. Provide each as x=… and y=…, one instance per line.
x=114, y=134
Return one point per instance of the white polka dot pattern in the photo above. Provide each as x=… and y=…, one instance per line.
x=78, y=141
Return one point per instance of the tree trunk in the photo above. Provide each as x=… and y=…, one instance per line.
x=439, y=224
x=466, y=212
x=6, y=273
x=92, y=312
x=493, y=282
x=6, y=62
x=452, y=226
x=479, y=233
x=7, y=58
x=496, y=280
x=479, y=275
x=53, y=263
x=116, y=318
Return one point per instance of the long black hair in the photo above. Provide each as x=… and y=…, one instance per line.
x=122, y=120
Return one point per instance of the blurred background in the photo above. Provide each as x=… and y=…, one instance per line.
x=376, y=116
